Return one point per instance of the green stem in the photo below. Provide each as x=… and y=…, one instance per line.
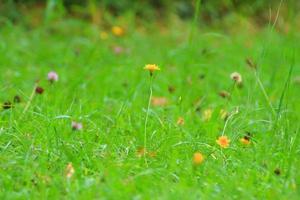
x=146, y=120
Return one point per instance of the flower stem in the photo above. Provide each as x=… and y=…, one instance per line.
x=146, y=120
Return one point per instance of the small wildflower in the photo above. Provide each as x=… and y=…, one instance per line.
x=76, y=126
x=118, y=50
x=103, y=35
x=198, y=158
x=69, y=171
x=236, y=77
x=180, y=121
x=159, y=101
x=52, y=76
x=7, y=105
x=117, y=30
x=223, y=141
x=245, y=140
x=141, y=152
x=151, y=68
x=17, y=99
x=224, y=94
x=39, y=90
x=207, y=114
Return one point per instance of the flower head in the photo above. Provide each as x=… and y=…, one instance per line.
x=39, y=90
x=118, y=49
x=180, y=121
x=236, y=77
x=117, y=30
x=151, y=68
x=76, y=126
x=223, y=141
x=69, y=171
x=198, y=158
x=245, y=140
x=52, y=76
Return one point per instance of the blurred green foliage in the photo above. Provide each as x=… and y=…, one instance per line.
x=211, y=10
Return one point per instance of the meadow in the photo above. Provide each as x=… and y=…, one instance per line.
x=87, y=130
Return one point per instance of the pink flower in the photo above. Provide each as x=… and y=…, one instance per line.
x=76, y=126
x=118, y=50
x=52, y=76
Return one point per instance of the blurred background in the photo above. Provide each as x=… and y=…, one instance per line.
x=216, y=13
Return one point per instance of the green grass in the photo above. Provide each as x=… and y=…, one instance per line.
x=109, y=93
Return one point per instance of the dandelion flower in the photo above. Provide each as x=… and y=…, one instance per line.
x=236, y=77
x=52, y=76
x=223, y=141
x=180, y=121
x=245, y=140
x=198, y=158
x=117, y=30
x=76, y=126
x=151, y=68
x=69, y=171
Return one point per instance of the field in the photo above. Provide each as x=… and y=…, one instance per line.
x=169, y=150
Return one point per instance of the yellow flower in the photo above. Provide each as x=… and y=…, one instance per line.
x=198, y=158
x=207, y=114
x=151, y=68
x=117, y=30
x=223, y=141
x=103, y=35
x=245, y=140
x=69, y=171
x=180, y=121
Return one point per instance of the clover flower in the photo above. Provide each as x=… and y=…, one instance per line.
x=76, y=126
x=52, y=76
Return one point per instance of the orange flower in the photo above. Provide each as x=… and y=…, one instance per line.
x=117, y=30
x=141, y=152
x=159, y=101
x=223, y=141
x=180, y=121
x=69, y=171
x=245, y=140
x=151, y=68
x=198, y=158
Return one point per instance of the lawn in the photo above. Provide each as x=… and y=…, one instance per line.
x=102, y=86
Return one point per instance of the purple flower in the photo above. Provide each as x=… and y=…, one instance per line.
x=76, y=125
x=52, y=76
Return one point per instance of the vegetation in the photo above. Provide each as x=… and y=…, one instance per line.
x=124, y=109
